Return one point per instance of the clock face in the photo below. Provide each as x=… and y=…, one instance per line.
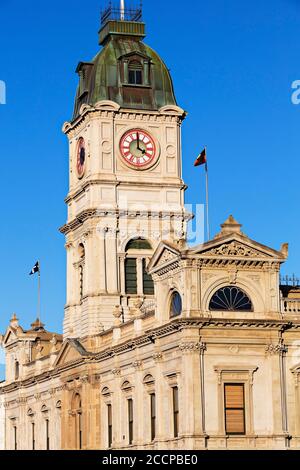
x=80, y=161
x=138, y=148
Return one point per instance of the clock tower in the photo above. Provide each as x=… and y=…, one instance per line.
x=126, y=192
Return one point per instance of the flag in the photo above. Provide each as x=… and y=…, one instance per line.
x=201, y=159
x=35, y=269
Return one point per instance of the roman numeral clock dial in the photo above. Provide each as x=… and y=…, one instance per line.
x=138, y=149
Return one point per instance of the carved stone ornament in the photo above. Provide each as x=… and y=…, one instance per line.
x=54, y=342
x=84, y=379
x=117, y=313
x=138, y=365
x=166, y=256
x=275, y=348
x=157, y=356
x=235, y=249
x=39, y=347
x=190, y=347
x=232, y=276
x=116, y=372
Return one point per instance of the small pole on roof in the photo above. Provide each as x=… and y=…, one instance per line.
x=122, y=10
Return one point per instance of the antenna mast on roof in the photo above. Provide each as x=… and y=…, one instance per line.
x=122, y=8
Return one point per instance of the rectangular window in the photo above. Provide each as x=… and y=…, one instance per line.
x=175, y=411
x=47, y=435
x=153, y=416
x=33, y=435
x=135, y=77
x=130, y=420
x=15, y=438
x=130, y=276
x=234, y=397
x=148, y=285
x=109, y=425
x=80, y=429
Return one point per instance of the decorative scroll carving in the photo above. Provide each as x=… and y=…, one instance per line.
x=235, y=249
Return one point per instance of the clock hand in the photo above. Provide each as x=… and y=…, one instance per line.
x=138, y=141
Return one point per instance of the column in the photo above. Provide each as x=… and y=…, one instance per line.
x=192, y=419
x=139, y=266
x=101, y=233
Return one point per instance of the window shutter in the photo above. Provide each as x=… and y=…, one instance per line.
x=130, y=276
x=234, y=408
x=147, y=281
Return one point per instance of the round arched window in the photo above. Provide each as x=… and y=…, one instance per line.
x=176, y=305
x=232, y=299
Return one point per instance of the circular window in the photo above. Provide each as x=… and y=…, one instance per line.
x=176, y=305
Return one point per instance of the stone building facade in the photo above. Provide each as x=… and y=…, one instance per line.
x=165, y=346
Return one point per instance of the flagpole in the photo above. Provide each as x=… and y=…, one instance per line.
x=39, y=293
x=207, y=200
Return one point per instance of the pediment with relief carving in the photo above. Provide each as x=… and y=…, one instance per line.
x=235, y=249
x=164, y=254
x=239, y=247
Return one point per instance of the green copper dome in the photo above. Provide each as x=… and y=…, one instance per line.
x=125, y=71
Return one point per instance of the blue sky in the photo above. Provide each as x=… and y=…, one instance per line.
x=233, y=63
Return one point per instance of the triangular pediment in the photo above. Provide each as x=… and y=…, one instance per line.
x=164, y=253
x=133, y=54
x=239, y=246
x=71, y=351
x=10, y=335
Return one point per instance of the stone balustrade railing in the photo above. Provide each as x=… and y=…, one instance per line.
x=291, y=306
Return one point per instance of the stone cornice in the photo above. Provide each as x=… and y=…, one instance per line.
x=118, y=213
x=115, y=183
x=149, y=337
x=78, y=221
x=93, y=112
x=220, y=263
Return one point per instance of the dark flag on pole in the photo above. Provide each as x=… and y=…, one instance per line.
x=201, y=159
x=35, y=269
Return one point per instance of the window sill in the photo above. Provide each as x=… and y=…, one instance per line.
x=130, y=85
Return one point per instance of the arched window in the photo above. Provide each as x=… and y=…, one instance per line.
x=232, y=299
x=175, y=305
x=135, y=73
x=137, y=279
x=138, y=244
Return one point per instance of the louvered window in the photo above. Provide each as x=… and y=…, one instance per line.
x=109, y=425
x=148, y=285
x=131, y=276
x=130, y=420
x=153, y=415
x=234, y=396
x=175, y=411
